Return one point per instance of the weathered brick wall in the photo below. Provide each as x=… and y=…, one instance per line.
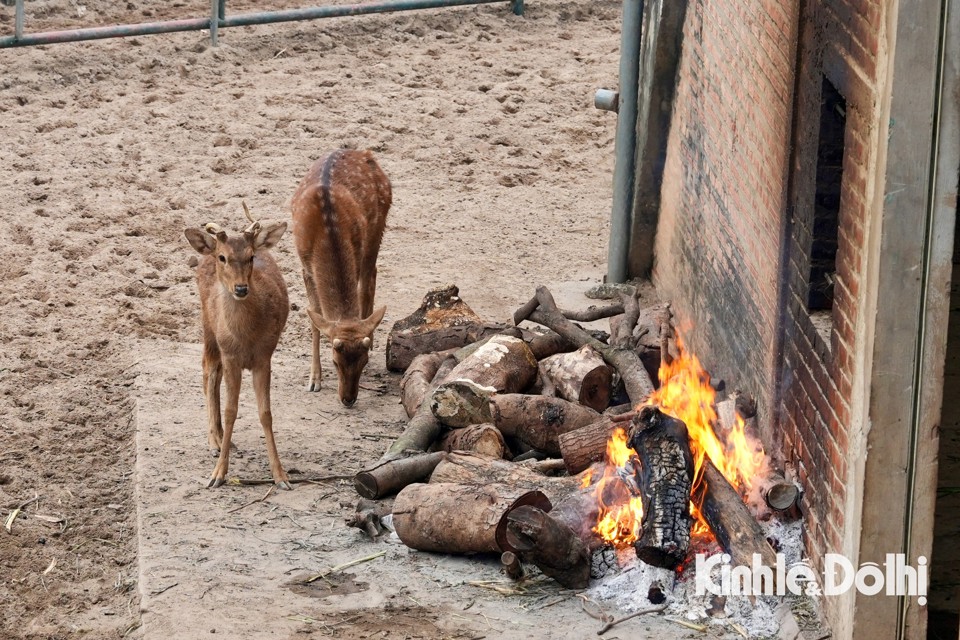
x=734, y=237
x=838, y=42
x=718, y=239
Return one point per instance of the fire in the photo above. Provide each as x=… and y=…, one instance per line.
x=685, y=393
x=621, y=509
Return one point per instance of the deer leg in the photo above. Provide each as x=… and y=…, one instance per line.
x=232, y=375
x=261, y=386
x=368, y=288
x=314, y=383
x=212, y=374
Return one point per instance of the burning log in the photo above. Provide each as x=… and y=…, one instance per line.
x=484, y=439
x=392, y=475
x=459, y=518
x=469, y=468
x=443, y=321
x=586, y=445
x=770, y=489
x=730, y=520
x=663, y=446
x=635, y=378
x=581, y=376
x=550, y=545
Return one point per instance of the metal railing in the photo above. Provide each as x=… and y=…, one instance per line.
x=218, y=19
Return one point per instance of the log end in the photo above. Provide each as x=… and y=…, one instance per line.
x=366, y=485
x=461, y=403
x=782, y=496
x=595, y=389
x=668, y=558
x=531, y=498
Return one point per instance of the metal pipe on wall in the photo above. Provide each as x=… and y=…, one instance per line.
x=625, y=142
x=218, y=9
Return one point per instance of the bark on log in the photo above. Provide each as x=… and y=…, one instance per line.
x=503, y=365
x=484, y=439
x=417, y=379
x=469, y=468
x=636, y=380
x=538, y=420
x=392, y=475
x=459, y=518
x=443, y=321
x=586, y=445
x=549, y=544
x=730, y=520
x=550, y=343
x=623, y=335
x=663, y=446
x=367, y=518
x=581, y=376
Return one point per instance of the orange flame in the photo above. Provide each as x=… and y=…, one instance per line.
x=621, y=510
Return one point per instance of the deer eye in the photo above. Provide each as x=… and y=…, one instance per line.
x=223, y=258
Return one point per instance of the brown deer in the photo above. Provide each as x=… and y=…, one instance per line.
x=339, y=213
x=244, y=306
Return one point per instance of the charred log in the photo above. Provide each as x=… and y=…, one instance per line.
x=663, y=446
x=551, y=545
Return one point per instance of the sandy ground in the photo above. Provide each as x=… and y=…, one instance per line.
x=501, y=171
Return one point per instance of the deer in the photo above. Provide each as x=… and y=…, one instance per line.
x=339, y=214
x=243, y=308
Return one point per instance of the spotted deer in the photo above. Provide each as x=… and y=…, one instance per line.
x=244, y=306
x=339, y=214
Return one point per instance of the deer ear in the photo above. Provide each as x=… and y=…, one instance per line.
x=269, y=236
x=369, y=325
x=200, y=240
x=323, y=325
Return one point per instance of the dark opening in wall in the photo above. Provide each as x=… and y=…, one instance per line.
x=826, y=208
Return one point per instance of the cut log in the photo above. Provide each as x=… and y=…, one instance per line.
x=663, y=446
x=392, y=475
x=443, y=321
x=636, y=380
x=586, y=445
x=459, y=518
x=550, y=343
x=730, y=520
x=469, y=468
x=581, y=376
x=511, y=565
x=484, y=439
x=770, y=490
x=423, y=429
x=503, y=365
x=550, y=545
x=417, y=379
x=537, y=420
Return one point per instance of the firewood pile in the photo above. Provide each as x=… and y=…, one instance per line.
x=508, y=433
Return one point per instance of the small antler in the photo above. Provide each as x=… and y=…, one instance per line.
x=212, y=228
x=254, y=224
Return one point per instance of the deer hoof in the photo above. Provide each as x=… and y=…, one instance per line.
x=313, y=386
x=215, y=482
x=283, y=484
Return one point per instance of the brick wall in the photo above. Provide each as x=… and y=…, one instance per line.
x=736, y=221
x=721, y=221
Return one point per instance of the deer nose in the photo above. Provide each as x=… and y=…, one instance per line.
x=348, y=402
x=240, y=290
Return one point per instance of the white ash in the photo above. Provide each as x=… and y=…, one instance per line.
x=627, y=587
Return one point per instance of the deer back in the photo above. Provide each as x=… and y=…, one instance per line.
x=339, y=214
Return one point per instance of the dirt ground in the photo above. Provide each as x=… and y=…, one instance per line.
x=501, y=170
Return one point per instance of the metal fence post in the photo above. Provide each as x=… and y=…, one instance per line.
x=18, y=20
x=214, y=21
x=518, y=7
x=223, y=9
